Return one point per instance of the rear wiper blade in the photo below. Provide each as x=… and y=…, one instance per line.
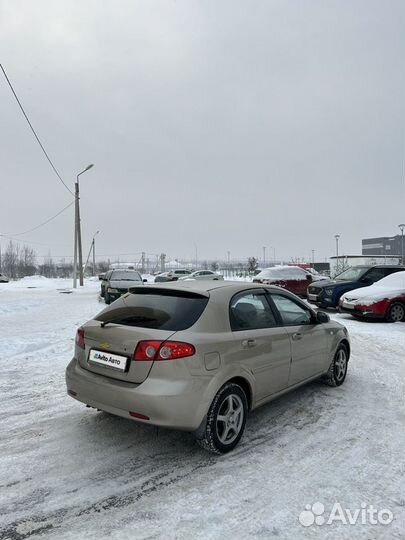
x=108, y=321
x=128, y=320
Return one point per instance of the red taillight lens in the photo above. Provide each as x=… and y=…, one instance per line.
x=163, y=350
x=80, y=338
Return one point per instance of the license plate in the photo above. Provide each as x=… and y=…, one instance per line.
x=106, y=359
x=347, y=306
x=312, y=296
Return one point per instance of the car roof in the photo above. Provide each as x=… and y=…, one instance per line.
x=369, y=266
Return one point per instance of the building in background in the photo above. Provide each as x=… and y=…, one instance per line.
x=341, y=263
x=385, y=245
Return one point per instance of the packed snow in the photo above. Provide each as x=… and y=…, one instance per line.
x=69, y=472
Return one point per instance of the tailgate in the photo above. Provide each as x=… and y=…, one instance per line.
x=109, y=351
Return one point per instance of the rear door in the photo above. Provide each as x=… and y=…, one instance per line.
x=262, y=347
x=308, y=338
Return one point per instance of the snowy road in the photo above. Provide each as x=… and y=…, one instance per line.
x=67, y=472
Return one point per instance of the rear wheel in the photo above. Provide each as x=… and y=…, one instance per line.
x=396, y=313
x=107, y=298
x=338, y=369
x=226, y=420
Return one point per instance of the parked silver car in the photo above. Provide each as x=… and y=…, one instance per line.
x=172, y=275
x=203, y=274
x=198, y=355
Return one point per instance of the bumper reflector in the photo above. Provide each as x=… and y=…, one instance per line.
x=139, y=415
x=72, y=393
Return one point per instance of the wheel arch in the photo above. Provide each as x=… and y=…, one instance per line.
x=245, y=385
x=390, y=304
x=346, y=343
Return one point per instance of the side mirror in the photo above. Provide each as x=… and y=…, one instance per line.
x=309, y=277
x=322, y=317
x=145, y=280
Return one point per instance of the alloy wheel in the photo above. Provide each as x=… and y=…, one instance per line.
x=340, y=365
x=230, y=419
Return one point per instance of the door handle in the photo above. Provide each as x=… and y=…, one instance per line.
x=247, y=343
x=296, y=336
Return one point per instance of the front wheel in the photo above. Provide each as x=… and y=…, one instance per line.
x=396, y=313
x=107, y=298
x=226, y=420
x=337, y=371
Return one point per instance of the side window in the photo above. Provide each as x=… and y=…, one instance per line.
x=389, y=271
x=291, y=313
x=375, y=274
x=250, y=311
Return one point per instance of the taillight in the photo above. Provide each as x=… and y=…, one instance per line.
x=80, y=338
x=163, y=350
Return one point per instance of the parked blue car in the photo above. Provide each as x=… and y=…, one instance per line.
x=327, y=293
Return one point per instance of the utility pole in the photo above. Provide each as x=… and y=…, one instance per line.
x=143, y=262
x=402, y=227
x=75, y=247
x=313, y=258
x=264, y=256
x=78, y=233
x=94, y=253
x=162, y=262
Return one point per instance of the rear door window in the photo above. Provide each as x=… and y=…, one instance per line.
x=375, y=274
x=159, y=310
x=250, y=311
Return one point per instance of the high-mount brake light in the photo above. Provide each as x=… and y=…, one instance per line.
x=163, y=350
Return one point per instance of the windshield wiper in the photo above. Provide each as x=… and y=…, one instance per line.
x=128, y=320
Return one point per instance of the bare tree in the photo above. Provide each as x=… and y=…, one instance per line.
x=253, y=264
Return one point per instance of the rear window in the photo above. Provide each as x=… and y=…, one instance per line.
x=125, y=276
x=160, y=310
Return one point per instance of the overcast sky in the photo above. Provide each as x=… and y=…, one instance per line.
x=221, y=124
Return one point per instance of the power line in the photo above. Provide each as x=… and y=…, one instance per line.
x=33, y=130
x=43, y=223
x=22, y=241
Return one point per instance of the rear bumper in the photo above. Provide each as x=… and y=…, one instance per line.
x=176, y=404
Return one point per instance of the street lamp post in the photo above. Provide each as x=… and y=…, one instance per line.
x=78, y=234
x=264, y=256
x=337, y=236
x=402, y=227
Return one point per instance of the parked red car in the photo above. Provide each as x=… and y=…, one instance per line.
x=292, y=278
x=385, y=299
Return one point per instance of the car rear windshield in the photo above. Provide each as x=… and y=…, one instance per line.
x=125, y=276
x=159, y=310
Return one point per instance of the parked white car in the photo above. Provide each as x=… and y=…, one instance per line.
x=203, y=274
x=3, y=278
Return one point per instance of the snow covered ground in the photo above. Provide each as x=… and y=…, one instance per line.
x=67, y=472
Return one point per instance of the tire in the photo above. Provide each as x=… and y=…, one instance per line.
x=107, y=299
x=396, y=312
x=225, y=426
x=337, y=371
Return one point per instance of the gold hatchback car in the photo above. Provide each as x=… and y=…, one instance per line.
x=198, y=355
